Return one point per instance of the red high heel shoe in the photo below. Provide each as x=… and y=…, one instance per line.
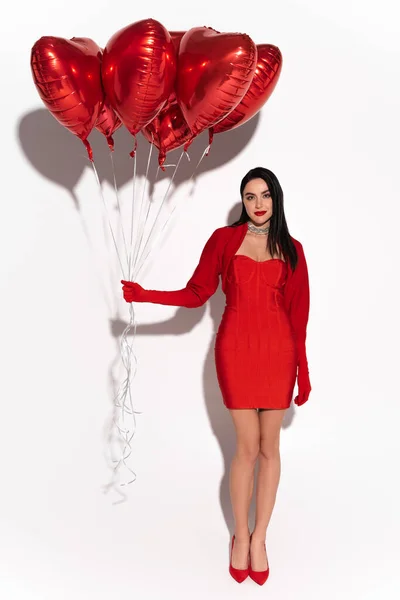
x=238, y=574
x=259, y=577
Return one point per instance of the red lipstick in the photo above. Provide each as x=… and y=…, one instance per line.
x=260, y=213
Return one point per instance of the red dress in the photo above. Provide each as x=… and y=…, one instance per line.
x=255, y=350
x=267, y=297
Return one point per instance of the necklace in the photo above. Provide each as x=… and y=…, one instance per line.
x=257, y=230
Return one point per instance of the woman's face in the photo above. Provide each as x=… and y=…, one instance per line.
x=258, y=201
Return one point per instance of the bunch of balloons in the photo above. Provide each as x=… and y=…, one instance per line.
x=170, y=86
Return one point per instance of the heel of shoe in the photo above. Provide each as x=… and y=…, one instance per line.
x=238, y=575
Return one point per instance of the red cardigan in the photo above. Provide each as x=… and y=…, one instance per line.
x=214, y=262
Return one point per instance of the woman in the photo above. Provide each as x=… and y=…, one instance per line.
x=260, y=347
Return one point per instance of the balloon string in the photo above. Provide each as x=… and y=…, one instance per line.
x=151, y=234
x=119, y=205
x=151, y=249
x=142, y=224
x=109, y=221
x=125, y=433
x=132, y=215
x=149, y=207
x=206, y=151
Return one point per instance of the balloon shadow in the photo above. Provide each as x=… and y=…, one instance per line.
x=61, y=157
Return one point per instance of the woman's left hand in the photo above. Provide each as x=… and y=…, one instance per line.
x=303, y=384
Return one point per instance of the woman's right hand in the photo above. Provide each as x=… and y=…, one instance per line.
x=132, y=291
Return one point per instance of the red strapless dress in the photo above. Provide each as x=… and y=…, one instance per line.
x=255, y=351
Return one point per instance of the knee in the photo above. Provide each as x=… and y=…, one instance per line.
x=268, y=450
x=248, y=452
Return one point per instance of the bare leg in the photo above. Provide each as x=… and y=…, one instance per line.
x=267, y=483
x=247, y=425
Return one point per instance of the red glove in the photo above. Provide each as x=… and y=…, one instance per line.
x=303, y=384
x=133, y=292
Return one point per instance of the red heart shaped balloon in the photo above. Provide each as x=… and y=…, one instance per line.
x=67, y=75
x=168, y=130
x=214, y=73
x=268, y=69
x=139, y=68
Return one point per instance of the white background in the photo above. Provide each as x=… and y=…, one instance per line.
x=330, y=132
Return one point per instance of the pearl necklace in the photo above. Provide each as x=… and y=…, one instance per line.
x=257, y=230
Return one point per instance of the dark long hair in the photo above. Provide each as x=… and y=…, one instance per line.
x=278, y=237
